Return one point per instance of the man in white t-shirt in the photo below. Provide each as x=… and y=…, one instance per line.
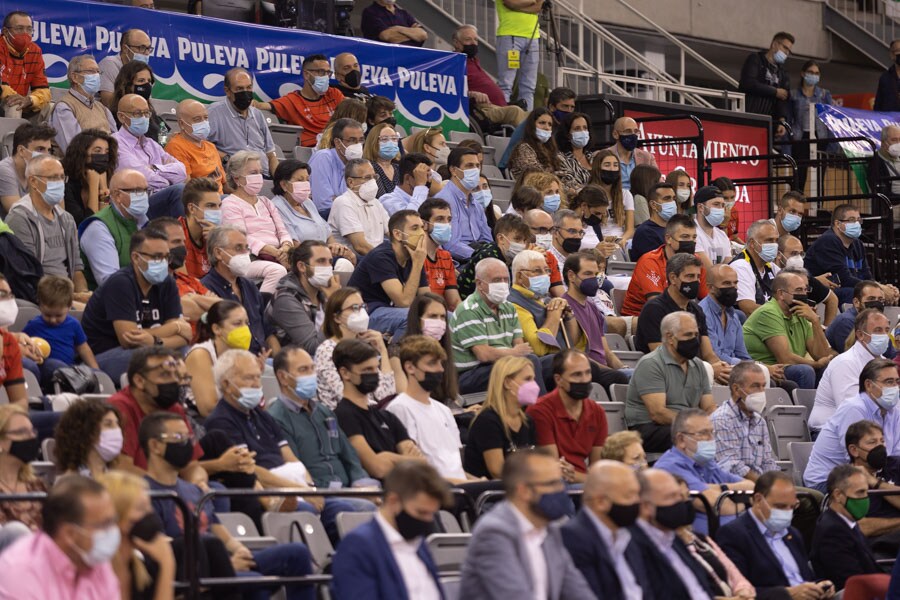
x=713, y=246
x=357, y=218
x=755, y=266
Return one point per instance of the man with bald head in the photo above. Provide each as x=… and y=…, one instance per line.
x=191, y=145
x=348, y=78
x=164, y=173
x=626, y=132
x=78, y=110
x=790, y=253
x=134, y=45
x=598, y=537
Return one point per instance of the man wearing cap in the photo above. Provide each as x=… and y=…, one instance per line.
x=713, y=246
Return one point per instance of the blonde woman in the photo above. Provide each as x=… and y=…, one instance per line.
x=551, y=188
x=382, y=149
x=433, y=144
x=349, y=108
x=626, y=447
x=142, y=534
x=18, y=447
x=502, y=427
x=620, y=221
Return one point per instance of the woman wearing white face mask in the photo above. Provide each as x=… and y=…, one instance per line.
x=88, y=438
x=537, y=148
x=346, y=318
x=684, y=194
x=573, y=138
x=254, y=214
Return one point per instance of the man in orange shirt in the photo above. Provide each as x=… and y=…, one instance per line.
x=311, y=106
x=190, y=146
x=439, y=265
x=202, y=211
x=649, y=277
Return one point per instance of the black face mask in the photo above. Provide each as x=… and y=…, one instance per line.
x=579, y=390
x=391, y=121
x=368, y=382
x=689, y=289
x=686, y=247
x=353, y=79
x=570, y=245
x=147, y=528
x=431, y=381
x=727, y=297
x=876, y=304
x=802, y=298
x=624, y=515
x=877, y=457
x=242, y=100
x=470, y=50
x=180, y=454
x=676, y=515
x=144, y=90
x=897, y=59
x=99, y=162
x=592, y=220
x=25, y=450
x=177, y=255
x=410, y=527
x=167, y=394
x=688, y=348
x=610, y=177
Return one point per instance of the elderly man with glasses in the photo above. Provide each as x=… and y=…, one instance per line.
x=135, y=46
x=79, y=110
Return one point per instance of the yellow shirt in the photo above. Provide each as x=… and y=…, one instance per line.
x=515, y=23
x=530, y=329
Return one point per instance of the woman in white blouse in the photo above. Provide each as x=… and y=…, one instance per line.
x=620, y=222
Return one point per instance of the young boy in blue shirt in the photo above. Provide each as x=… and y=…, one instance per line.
x=62, y=332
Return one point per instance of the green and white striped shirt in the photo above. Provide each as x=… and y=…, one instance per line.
x=474, y=324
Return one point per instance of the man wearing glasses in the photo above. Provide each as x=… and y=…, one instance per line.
x=26, y=92
x=135, y=45
x=311, y=106
x=78, y=110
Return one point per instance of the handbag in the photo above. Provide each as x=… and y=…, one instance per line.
x=77, y=379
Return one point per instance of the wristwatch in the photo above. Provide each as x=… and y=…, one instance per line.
x=157, y=341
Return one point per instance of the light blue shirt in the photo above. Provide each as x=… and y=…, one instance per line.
x=469, y=223
x=302, y=227
x=326, y=178
x=727, y=341
x=231, y=132
x=616, y=546
x=663, y=540
x=781, y=552
x=399, y=200
x=626, y=168
x=100, y=250
x=830, y=450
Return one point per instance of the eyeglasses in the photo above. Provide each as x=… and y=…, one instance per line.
x=351, y=141
x=138, y=190
x=539, y=271
x=850, y=220
x=164, y=257
x=177, y=438
x=142, y=49
x=706, y=433
x=354, y=307
x=62, y=178
x=320, y=72
x=138, y=114
x=541, y=230
x=574, y=232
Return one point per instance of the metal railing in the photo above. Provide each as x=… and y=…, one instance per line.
x=878, y=18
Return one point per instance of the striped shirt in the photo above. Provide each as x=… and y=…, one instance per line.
x=742, y=442
x=475, y=324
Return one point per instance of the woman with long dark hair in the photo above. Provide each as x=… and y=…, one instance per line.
x=89, y=163
x=537, y=148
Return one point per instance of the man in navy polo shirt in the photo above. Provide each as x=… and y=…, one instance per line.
x=384, y=21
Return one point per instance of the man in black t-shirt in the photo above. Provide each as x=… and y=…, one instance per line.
x=136, y=306
x=378, y=437
x=348, y=78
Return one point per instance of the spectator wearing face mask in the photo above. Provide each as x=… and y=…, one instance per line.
x=713, y=245
x=439, y=265
x=469, y=228
x=537, y=148
x=887, y=159
x=865, y=447
x=78, y=110
x=683, y=184
x=348, y=78
x=29, y=141
x=137, y=78
x=357, y=218
x=766, y=83
x=651, y=234
x=866, y=294
x=191, y=144
x=25, y=87
x=573, y=139
x=625, y=132
x=134, y=46
x=605, y=173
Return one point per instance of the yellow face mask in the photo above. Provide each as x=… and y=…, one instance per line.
x=239, y=338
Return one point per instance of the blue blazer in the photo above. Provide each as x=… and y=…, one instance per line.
x=661, y=579
x=751, y=554
x=364, y=567
x=595, y=562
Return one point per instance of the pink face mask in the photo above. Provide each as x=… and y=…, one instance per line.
x=528, y=393
x=300, y=191
x=253, y=184
x=434, y=328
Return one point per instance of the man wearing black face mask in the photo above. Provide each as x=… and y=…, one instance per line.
x=394, y=541
x=599, y=536
x=867, y=451
x=348, y=78
x=625, y=132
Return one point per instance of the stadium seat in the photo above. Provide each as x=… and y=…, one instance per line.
x=473, y=398
x=8, y=126
x=242, y=528
x=46, y=470
x=32, y=386
x=892, y=313
x=490, y=156
x=615, y=414
x=451, y=587
x=630, y=357
x=448, y=522
x=348, y=521
x=302, y=153
x=459, y=136
x=48, y=450
x=164, y=107
x=786, y=424
x=721, y=394
x=786, y=467
x=267, y=186
x=618, y=298
x=448, y=550
x=799, y=452
x=498, y=143
x=270, y=387
x=171, y=122
x=598, y=394
x=805, y=398
x=58, y=93
x=308, y=529
x=616, y=342
x=401, y=131
x=106, y=383
x=76, y=314
x=777, y=397
x=26, y=313
x=285, y=136
x=491, y=172
x=619, y=392
x=618, y=267
x=629, y=338
x=123, y=380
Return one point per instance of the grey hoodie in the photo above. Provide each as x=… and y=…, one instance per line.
x=24, y=220
x=294, y=315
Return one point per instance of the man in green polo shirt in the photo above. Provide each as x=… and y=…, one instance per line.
x=518, y=37
x=786, y=330
x=485, y=328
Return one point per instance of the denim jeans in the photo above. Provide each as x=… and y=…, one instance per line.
x=389, y=320
x=114, y=362
x=528, y=67
x=285, y=560
x=803, y=375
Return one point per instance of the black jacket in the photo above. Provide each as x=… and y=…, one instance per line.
x=757, y=76
x=663, y=581
x=21, y=268
x=839, y=552
x=887, y=98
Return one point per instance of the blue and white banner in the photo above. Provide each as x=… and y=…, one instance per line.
x=854, y=122
x=191, y=55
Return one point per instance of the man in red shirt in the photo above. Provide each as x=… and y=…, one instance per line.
x=568, y=424
x=202, y=209
x=26, y=92
x=485, y=97
x=311, y=106
x=439, y=265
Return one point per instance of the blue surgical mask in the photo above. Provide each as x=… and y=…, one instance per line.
x=879, y=343
x=388, y=150
x=768, y=252
x=140, y=204
x=105, y=543
x=250, y=397
x=482, y=197
x=706, y=451
x=141, y=58
x=554, y=505
x=213, y=215
x=306, y=387
x=470, y=178
x=779, y=520
x=441, y=233
x=139, y=126
x=91, y=84
x=156, y=272
x=551, y=203
x=889, y=397
x=791, y=222
x=320, y=84
x=543, y=135
x=580, y=139
x=54, y=193
x=539, y=285
x=780, y=57
x=811, y=79
x=200, y=130
x=667, y=210
x=715, y=216
x=853, y=230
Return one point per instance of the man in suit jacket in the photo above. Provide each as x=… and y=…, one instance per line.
x=766, y=549
x=387, y=559
x=598, y=538
x=839, y=547
x=514, y=554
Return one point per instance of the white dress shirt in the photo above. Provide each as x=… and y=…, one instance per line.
x=840, y=381
x=616, y=546
x=419, y=583
x=533, y=538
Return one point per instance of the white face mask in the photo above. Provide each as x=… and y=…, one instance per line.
x=369, y=190
x=240, y=264
x=358, y=322
x=498, y=292
x=544, y=240
x=321, y=276
x=683, y=194
x=9, y=310
x=794, y=262
x=756, y=402
x=894, y=150
x=353, y=151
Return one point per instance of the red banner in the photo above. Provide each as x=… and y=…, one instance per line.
x=721, y=139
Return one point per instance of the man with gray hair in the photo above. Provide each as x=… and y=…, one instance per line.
x=742, y=436
x=78, y=110
x=357, y=219
x=327, y=168
x=667, y=381
x=755, y=266
x=887, y=163
x=485, y=328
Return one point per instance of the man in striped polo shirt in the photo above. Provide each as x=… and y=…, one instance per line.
x=485, y=328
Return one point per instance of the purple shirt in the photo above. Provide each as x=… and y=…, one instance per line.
x=143, y=154
x=592, y=323
x=376, y=18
